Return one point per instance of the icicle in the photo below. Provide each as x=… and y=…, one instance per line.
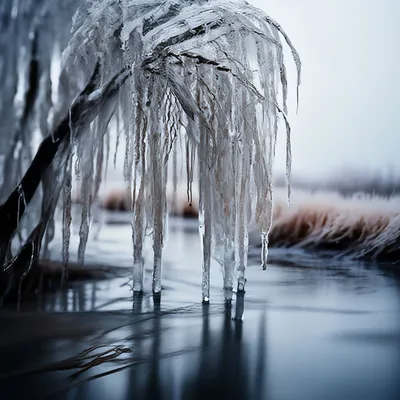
x=99, y=167
x=158, y=172
x=21, y=195
x=128, y=160
x=138, y=206
x=78, y=166
x=242, y=224
x=117, y=142
x=175, y=179
x=107, y=155
x=205, y=212
x=85, y=217
x=288, y=160
x=264, y=250
x=138, y=239
x=189, y=173
x=67, y=216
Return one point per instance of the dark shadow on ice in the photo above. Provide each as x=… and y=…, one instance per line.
x=224, y=370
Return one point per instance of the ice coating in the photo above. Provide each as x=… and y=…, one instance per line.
x=207, y=78
x=30, y=36
x=209, y=71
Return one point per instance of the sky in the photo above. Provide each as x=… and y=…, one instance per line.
x=349, y=113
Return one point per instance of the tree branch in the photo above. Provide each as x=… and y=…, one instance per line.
x=84, y=109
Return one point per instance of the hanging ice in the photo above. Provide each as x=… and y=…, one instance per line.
x=205, y=74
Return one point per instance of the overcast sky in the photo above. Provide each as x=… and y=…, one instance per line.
x=350, y=94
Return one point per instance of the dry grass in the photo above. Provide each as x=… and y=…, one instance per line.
x=119, y=199
x=360, y=226
x=365, y=227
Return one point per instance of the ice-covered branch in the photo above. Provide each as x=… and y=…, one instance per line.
x=205, y=76
x=218, y=68
x=85, y=108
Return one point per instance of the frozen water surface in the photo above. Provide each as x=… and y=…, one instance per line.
x=310, y=329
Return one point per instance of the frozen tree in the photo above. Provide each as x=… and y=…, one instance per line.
x=205, y=76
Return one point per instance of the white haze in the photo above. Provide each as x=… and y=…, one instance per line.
x=350, y=90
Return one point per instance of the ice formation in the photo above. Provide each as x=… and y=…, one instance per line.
x=32, y=33
x=207, y=77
